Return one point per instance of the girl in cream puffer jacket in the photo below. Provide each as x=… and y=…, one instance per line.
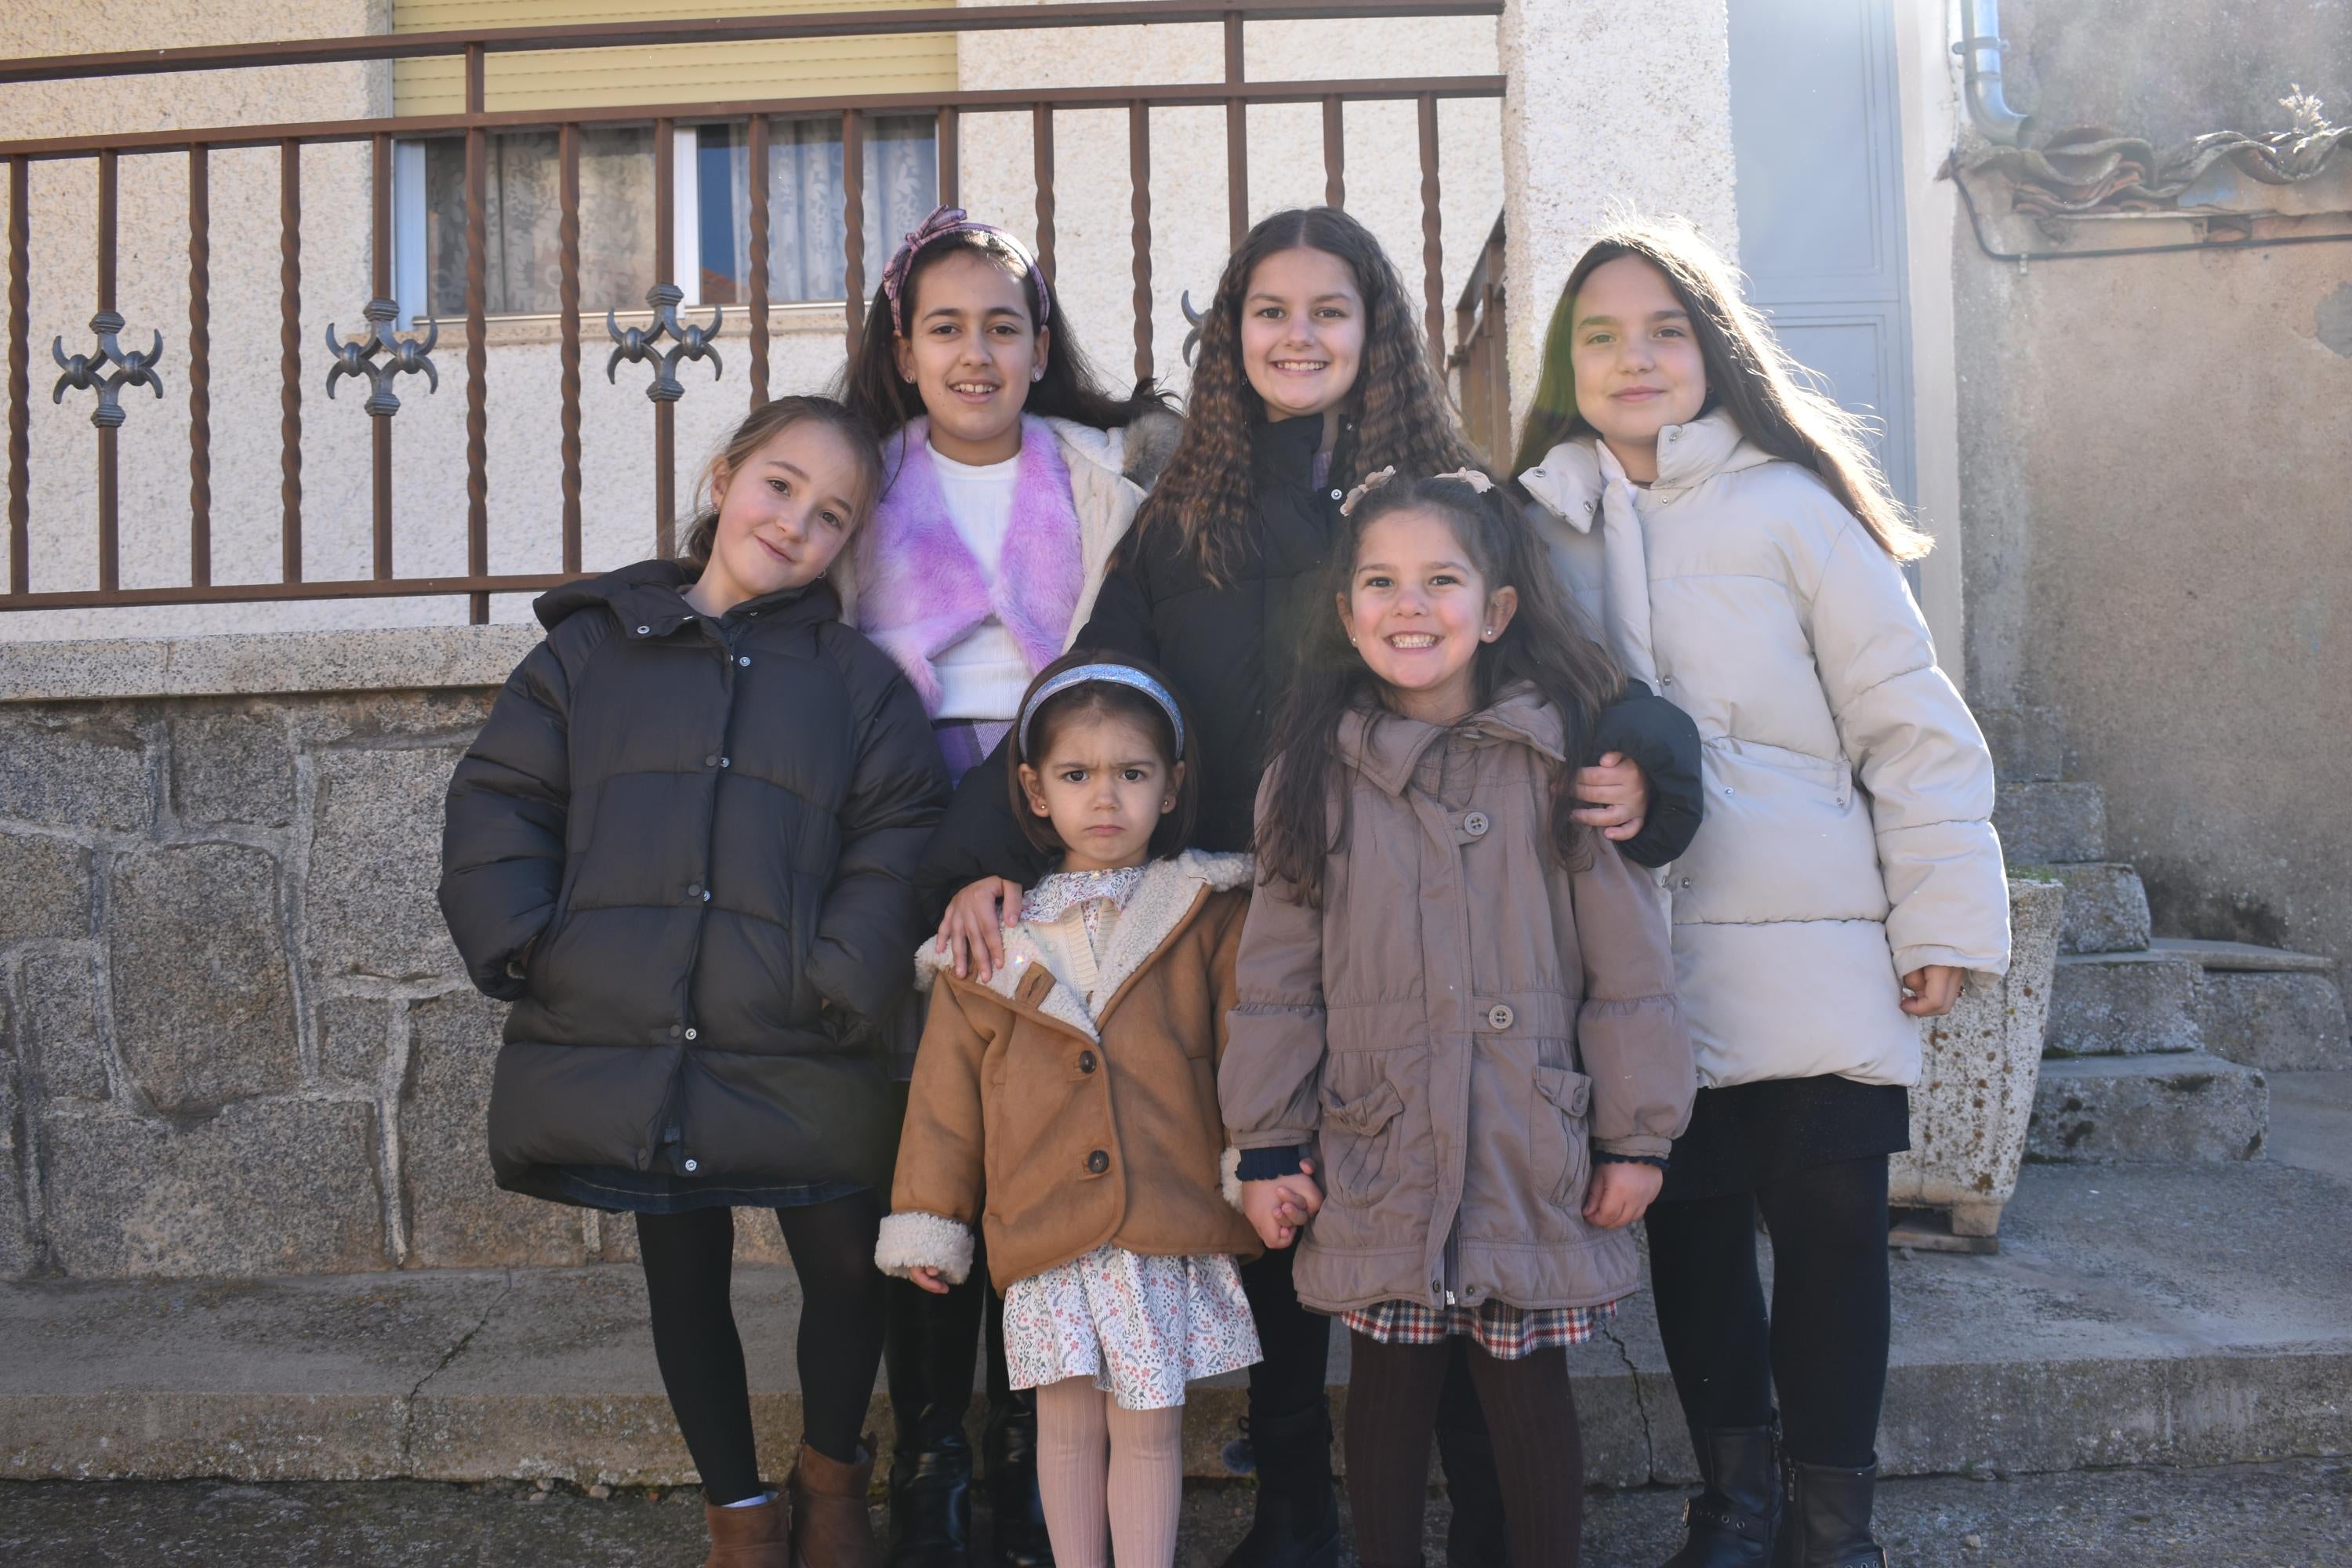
x=1726, y=526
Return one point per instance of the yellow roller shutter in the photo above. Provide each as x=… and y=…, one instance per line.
x=692, y=73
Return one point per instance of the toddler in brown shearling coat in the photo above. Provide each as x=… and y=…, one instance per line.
x=1065, y=1109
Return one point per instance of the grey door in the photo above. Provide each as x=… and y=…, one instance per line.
x=1817, y=138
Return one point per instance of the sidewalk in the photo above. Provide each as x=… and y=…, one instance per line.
x=2295, y=1514
x=2135, y=1316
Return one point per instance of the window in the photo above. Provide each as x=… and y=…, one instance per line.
x=806, y=236
x=522, y=214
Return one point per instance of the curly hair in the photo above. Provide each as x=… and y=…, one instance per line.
x=1399, y=406
x=1548, y=644
x=1749, y=375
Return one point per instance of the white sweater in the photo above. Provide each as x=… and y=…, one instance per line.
x=983, y=676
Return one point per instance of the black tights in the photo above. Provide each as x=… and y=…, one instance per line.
x=1823, y=1347
x=689, y=1261
x=1394, y=1391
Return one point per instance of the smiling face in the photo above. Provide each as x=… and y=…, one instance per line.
x=784, y=512
x=1302, y=334
x=1101, y=779
x=1638, y=368
x=1418, y=610
x=971, y=351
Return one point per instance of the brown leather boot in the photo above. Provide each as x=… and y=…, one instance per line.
x=749, y=1537
x=830, y=1527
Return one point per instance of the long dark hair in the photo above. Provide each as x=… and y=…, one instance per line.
x=1401, y=407
x=1547, y=644
x=1070, y=389
x=759, y=426
x=1749, y=375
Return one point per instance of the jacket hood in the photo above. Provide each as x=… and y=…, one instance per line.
x=1166, y=895
x=1387, y=747
x=1570, y=479
x=652, y=594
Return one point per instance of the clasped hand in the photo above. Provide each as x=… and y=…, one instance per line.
x=1279, y=1209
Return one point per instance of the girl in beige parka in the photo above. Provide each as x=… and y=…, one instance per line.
x=1725, y=525
x=1455, y=1001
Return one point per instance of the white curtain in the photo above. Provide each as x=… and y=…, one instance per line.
x=806, y=231
x=522, y=212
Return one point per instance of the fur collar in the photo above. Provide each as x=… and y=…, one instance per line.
x=1169, y=890
x=922, y=592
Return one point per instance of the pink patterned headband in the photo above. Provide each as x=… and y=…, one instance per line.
x=942, y=222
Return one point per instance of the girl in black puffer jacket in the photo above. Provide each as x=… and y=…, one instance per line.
x=683, y=847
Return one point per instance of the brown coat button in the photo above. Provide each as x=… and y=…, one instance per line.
x=1086, y=1061
x=1097, y=1162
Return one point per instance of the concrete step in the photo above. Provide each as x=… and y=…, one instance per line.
x=2267, y=1007
x=2243, y=956
x=2180, y=1107
x=2029, y=744
x=2133, y=1316
x=2106, y=908
x=2121, y=1003
x=2051, y=824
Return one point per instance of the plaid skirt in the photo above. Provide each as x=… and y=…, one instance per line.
x=1502, y=1331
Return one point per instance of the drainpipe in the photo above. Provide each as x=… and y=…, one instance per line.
x=1981, y=46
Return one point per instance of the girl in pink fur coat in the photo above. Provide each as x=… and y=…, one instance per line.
x=1010, y=475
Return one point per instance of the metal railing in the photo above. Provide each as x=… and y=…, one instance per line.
x=382, y=353
x=1481, y=361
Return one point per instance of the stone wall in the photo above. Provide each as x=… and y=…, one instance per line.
x=2155, y=452
x=237, y=1038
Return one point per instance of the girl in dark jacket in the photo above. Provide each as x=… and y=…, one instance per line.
x=683, y=847
x=1311, y=370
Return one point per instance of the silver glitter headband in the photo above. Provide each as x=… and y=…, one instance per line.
x=1109, y=675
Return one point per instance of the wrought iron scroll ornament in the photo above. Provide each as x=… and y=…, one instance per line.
x=84, y=372
x=691, y=341
x=357, y=358
x=1193, y=319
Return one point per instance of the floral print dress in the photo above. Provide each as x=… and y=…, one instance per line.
x=1141, y=1327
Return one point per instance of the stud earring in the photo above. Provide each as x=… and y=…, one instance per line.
x=1038, y=374
x=1490, y=633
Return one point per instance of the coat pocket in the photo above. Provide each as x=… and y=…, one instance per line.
x=1569, y=1094
x=1361, y=1160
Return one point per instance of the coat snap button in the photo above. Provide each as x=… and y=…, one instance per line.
x=692, y=1166
x=1499, y=1016
x=645, y=631
x=1097, y=1162
x=726, y=762
x=1086, y=1061
x=1335, y=494
x=1476, y=824
x=1685, y=881
x=692, y=1034
x=745, y=659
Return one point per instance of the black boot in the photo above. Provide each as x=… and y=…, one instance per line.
x=1827, y=1522
x=932, y=1347
x=1731, y=1523
x=931, y=1492
x=1298, y=1522
x=1010, y=1444
x=1475, y=1537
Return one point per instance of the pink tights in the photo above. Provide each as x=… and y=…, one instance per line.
x=1127, y=1501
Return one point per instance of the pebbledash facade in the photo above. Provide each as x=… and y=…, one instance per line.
x=237, y=1040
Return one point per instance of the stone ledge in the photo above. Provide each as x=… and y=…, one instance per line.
x=265, y=663
x=2114, y=1327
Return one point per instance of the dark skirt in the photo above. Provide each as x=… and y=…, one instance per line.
x=617, y=1189
x=1747, y=1134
